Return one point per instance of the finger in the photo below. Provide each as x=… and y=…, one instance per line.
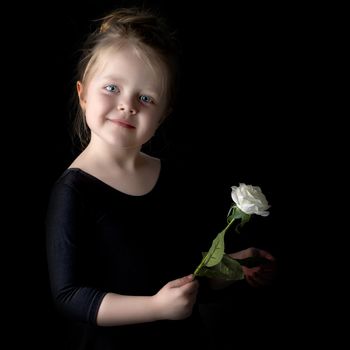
x=270, y=271
x=190, y=288
x=249, y=271
x=181, y=281
x=257, y=273
x=257, y=281
x=252, y=282
x=265, y=254
x=263, y=277
x=260, y=280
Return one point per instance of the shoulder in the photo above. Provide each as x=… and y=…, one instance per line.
x=72, y=187
x=72, y=178
x=66, y=187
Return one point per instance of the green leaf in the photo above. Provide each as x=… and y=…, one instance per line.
x=228, y=269
x=216, y=250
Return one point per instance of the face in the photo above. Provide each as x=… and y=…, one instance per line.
x=123, y=100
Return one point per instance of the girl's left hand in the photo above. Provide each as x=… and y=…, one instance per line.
x=260, y=275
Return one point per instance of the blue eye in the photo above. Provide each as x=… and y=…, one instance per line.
x=145, y=99
x=112, y=88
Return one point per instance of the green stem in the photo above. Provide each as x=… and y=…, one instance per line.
x=203, y=262
x=230, y=223
x=205, y=259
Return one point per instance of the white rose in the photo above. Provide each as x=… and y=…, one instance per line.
x=250, y=199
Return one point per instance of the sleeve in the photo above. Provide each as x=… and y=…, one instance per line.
x=64, y=221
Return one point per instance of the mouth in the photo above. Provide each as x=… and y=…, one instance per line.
x=122, y=123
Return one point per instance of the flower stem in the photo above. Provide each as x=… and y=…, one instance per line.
x=203, y=262
x=205, y=259
x=230, y=223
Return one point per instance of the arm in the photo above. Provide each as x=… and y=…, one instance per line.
x=174, y=302
x=64, y=224
x=66, y=230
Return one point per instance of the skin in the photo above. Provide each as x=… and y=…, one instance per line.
x=124, y=104
x=123, y=101
x=261, y=275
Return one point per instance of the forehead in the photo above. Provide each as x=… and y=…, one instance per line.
x=131, y=63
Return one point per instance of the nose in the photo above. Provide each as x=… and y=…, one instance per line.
x=127, y=108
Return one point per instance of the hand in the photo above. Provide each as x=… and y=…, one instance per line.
x=176, y=299
x=260, y=275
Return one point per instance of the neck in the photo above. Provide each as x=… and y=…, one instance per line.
x=105, y=155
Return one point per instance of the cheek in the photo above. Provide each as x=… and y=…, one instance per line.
x=156, y=122
x=93, y=112
x=98, y=104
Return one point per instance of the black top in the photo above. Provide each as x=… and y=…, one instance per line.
x=101, y=240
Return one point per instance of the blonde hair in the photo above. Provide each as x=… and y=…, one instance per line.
x=153, y=41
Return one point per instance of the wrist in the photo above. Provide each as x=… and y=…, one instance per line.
x=156, y=308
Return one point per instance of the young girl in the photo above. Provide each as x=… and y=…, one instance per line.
x=120, y=256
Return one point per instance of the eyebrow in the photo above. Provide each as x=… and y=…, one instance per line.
x=111, y=77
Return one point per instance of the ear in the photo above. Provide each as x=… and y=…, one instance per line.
x=80, y=91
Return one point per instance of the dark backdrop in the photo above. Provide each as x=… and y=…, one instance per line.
x=239, y=117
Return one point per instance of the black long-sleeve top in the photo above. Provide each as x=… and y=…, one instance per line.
x=101, y=240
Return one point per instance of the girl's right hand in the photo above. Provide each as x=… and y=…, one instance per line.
x=176, y=299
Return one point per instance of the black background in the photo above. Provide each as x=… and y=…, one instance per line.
x=244, y=112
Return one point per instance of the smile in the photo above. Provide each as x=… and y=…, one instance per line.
x=122, y=123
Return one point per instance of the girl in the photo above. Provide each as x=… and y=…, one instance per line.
x=119, y=258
